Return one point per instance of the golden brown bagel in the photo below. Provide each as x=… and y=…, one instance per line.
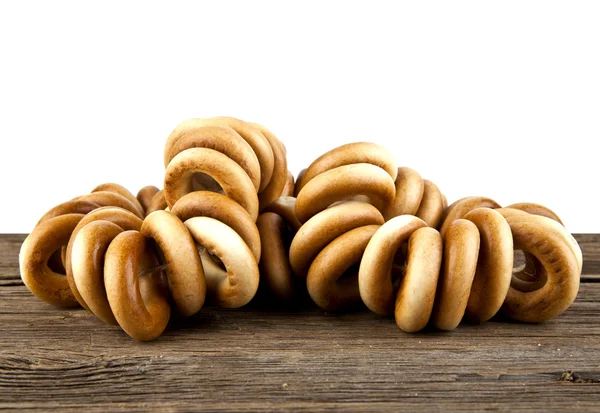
x=138, y=301
x=257, y=141
x=224, y=209
x=69, y=207
x=326, y=226
x=45, y=239
x=229, y=175
x=277, y=226
x=288, y=189
x=298, y=178
x=352, y=153
x=145, y=196
x=375, y=274
x=178, y=250
x=119, y=216
x=121, y=190
x=416, y=196
x=331, y=283
x=280, y=173
x=87, y=266
x=462, y=207
x=237, y=284
x=536, y=209
x=416, y=293
x=475, y=277
x=108, y=198
x=494, y=264
x=555, y=270
x=461, y=251
x=275, y=270
x=224, y=140
x=158, y=203
x=342, y=183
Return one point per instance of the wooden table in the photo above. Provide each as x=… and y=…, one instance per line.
x=254, y=360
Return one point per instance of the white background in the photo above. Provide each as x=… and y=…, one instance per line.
x=500, y=99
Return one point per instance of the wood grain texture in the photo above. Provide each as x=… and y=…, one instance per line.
x=310, y=360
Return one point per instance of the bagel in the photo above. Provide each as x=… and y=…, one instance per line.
x=184, y=269
x=138, y=301
x=342, y=183
x=45, y=239
x=474, y=279
x=224, y=209
x=257, y=141
x=557, y=270
x=145, y=197
x=329, y=283
x=277, y=226
x=237, y=284
x=224, y=140
x=326, y=226
x=352, y=153
x=416, y=196
x=229, y=175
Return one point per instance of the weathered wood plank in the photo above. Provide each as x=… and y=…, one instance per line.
x=590, y=245
x=252, y=360
x=255, y=360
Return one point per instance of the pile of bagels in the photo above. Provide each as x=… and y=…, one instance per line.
x=231, y=224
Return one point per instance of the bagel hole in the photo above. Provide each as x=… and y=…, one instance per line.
x=351, y=271
x=204, y=182
x=217, y=260
x=519, y=261
x=55, y=262
x=524, y=265
x=399, y=265
x=528, y=273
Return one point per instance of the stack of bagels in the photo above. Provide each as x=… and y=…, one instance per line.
x=352, y=230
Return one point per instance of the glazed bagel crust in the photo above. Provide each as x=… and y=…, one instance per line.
x=461, y=251
x=462, y=207
x=494, y=264
x=323, y=281
x=249, y=133
x=237, y=285
x=106, y=198
x=229, y=175
x=352, y=153
x=87, y=266
x=145, y=196
x=158, y=203
x=224, y=209
x=326, y=226
x=342, y=183
x=69, y=207
x=184, y=269
x=536, y=209
x=121, y=190
x=285, y=207
x=409, y=192
x=280, y=173
x=289, y=187
x=416, y=196
x=275, y=268
x=126, y=220
x=224, y=140
x=48, y=237
x=138, y=302
x=375, y=274
x=551, y=245
x=416, y=294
